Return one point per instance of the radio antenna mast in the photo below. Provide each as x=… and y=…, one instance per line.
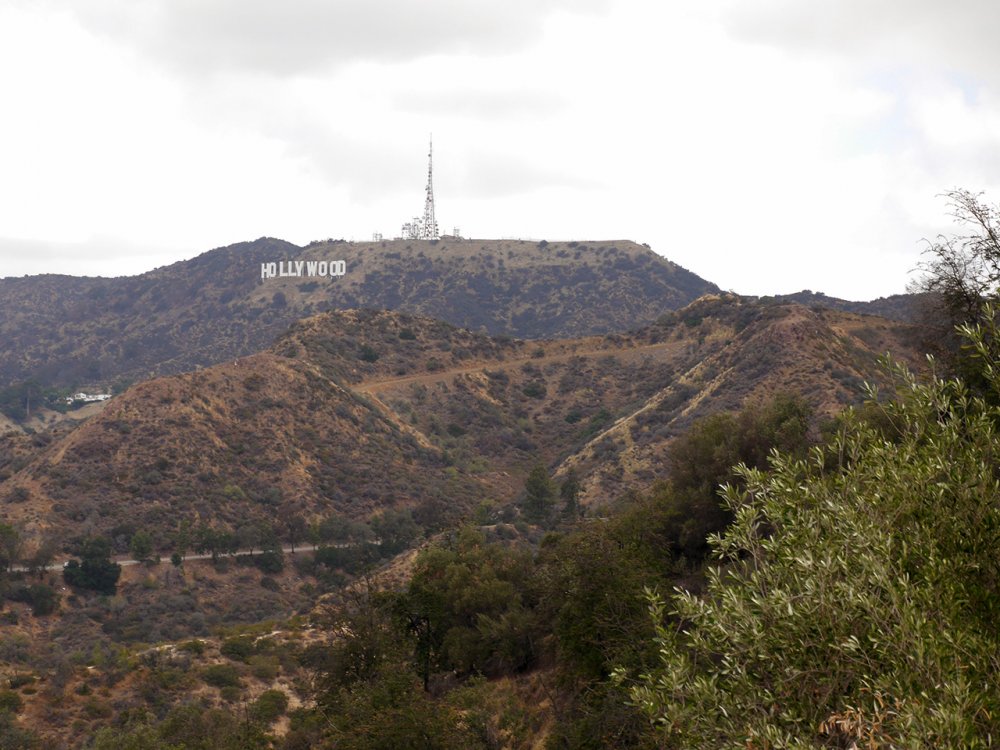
x=430, y=223
x=426, y=227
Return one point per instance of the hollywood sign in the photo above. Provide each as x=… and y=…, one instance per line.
x=297, y=268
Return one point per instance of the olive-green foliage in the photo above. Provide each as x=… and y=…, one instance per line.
x=13, y=737
x=11, y=546
x=539, y=494
x=42, y=598
x=141, y=546
x=592, y=583
x=367, y=693
x=859, y=596
x=221, y=675
x=471, y=605
x=10, y=701
x=94, y=570
x=394, y=713
x=702, y=460
x=269, y=706
x=193, y=646
x=188, y=727
x=395, y=530
x=238, y=648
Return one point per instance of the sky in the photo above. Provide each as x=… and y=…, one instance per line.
x=769, y=146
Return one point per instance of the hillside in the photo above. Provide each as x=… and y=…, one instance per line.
x=68, y=331
x=350, y=414
x=900, y=307
x=353, y=412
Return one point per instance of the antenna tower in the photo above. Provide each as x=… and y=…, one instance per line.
x=425, y=228
x=430, y=223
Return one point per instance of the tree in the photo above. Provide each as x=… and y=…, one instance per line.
x=214, y=541
x=569, y=492
x=11, y=546
x=961, y=274
x=859, y=594
x=182, y=538
x=42, y=556
x=250, y=536
x=965, y=269
x=539, y=494
x=141, y=546
x=298, y=529
x=94, y=570
x=14, y=737
x=395, y=530
x=702, y=460
x=470, y=607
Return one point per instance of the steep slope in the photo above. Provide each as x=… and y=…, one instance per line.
x=70, y=331
x=824, y=356
x=357, y=411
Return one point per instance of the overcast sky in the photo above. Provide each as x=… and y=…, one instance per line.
x=767, y=145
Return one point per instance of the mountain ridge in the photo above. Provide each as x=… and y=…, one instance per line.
x=215, y=307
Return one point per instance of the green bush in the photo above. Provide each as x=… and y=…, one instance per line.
x=240, y=648
x=221, y=675
x=11, y=702
x=269, y=706
x=95, y=570
x=860, y=592
x=193, y=647
x=43, y=599
x=264, y=667
x=270, y=561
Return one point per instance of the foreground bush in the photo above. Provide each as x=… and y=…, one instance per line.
x=858, y=598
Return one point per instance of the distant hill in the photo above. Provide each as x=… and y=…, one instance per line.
x=901, y=307
x=357, y=411
x=67, y=331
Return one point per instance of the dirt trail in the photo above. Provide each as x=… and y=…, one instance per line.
x=375, y=386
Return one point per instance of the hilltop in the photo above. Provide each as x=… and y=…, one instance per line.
x=68, y=331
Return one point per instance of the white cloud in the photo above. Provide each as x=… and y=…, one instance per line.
x=204, y=36
x=767, y=145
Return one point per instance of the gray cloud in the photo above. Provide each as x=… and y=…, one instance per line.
x=498, y=175
x=93, y=257
x=296, y=36
x=477, y=103
x=958, y=35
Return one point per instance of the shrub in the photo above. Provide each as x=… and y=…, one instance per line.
x=269, y=706
x=96, y=571
x=271, y=561
x=264, y=667
x=11, y=702
x=239, y=648
x=193, y=647
x=20, y=680
x=851, y=605
x=43, y=599
x=221, y=676
x=534, y=390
